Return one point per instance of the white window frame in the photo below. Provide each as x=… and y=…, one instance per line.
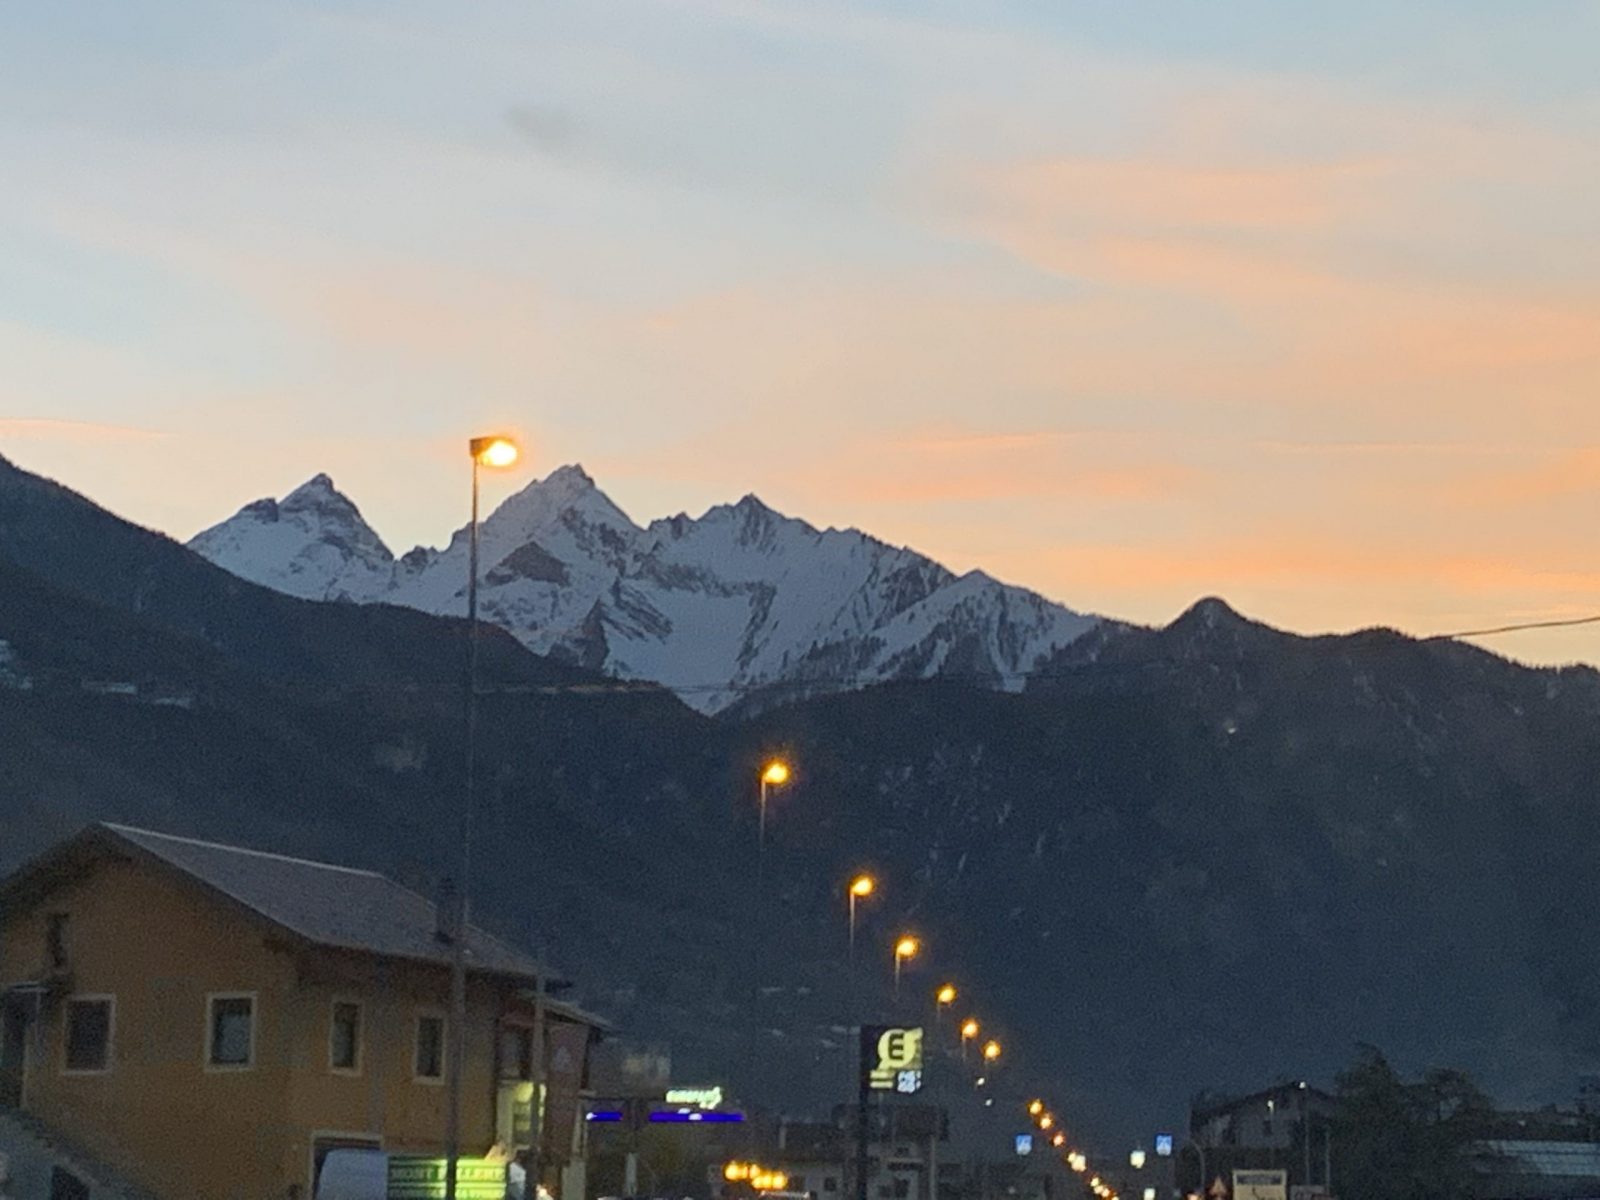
x=110, y=1000
x=431, y=1014
x=216, y=1068
x=361, y=1036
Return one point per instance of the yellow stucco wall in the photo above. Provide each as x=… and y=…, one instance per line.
x=160, y=944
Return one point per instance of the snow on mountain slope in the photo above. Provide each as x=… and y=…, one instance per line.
x=313, y=543
x=740, y=599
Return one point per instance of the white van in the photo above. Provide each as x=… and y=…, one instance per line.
x=354, y=1175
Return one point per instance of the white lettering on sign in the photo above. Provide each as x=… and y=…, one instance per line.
x=899, y=1066
x=698, y=1097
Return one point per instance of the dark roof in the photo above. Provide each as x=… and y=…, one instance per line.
x=1206, y=1109
x=337, y=907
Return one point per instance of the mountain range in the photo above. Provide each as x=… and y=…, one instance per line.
x=741, y=601
x=1208, y=855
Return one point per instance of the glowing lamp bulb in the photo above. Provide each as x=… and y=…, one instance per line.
x=497, y=452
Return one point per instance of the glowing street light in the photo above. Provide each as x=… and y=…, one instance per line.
x=904, y=949
x=1059, y=1140
x=969, y=1032
x=861, y=887
x=774, y=774
x=493, y=452
x=1136, y=1160
x=1035, y=1107
x=991, y=1051
x=946, y=996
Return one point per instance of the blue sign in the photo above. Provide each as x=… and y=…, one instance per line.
x=1024, y=1143
x=1163, y=1145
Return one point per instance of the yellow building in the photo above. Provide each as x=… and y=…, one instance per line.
x=210, y=1021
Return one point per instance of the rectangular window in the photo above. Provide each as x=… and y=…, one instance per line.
x=231, y=1032
x=344, y=1037
x=430, y=1048
x=88, y=1038
x=55, y=936
x=516, y=1052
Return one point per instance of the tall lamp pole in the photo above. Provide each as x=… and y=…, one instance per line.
x=485, y=452
x=905, y=948
x=774, y=774
x=860, y=888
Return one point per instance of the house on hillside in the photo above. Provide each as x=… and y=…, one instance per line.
x=210, y=1021
x=1287, y=1126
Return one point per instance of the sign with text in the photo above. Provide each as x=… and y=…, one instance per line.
x=707, y=1098
x=891, y=1059
x=417, y=1178
x=1261, y=1185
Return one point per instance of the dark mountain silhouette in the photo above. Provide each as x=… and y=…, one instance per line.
x=1211, y=854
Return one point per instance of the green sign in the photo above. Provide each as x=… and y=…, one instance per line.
x=423, y=1178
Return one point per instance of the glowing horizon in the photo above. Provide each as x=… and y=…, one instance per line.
x=1294, y=308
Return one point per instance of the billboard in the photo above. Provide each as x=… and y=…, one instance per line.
x=414, y=1177
x=1261, y=1185
x=891, y=1059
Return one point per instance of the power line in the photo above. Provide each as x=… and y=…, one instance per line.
x=1516, y=628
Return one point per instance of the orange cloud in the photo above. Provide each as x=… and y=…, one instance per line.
x=60, y=429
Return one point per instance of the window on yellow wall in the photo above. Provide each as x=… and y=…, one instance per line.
x=430, y=1048
x=88, y=1039
x=231, y=1032
x=344, y=1037
x=516, y=1052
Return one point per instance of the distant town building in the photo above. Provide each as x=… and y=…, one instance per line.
x=212, y=1021
x=1543, y=1155
x=1286, y=1126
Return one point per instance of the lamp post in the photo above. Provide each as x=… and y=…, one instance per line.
x=486, y=452
x=861, y=887
x=774, y=774
x=943, y=999
x=905, y=948
x=969, y=1031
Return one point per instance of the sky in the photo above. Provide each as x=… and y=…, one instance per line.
x=1130, y=303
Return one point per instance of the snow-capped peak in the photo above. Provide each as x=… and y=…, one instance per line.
x=738, y=600
x=313, y=543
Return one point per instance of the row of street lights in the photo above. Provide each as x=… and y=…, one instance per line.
x=499, y=452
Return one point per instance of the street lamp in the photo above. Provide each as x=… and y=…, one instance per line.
x=991, y=1051
x=861, y=887
x=1046, y=1121
x=774, y=774
x=904, y=949
x=969, y=1031
x=1035, y=1107
x=945, y=996
x=495, y=452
